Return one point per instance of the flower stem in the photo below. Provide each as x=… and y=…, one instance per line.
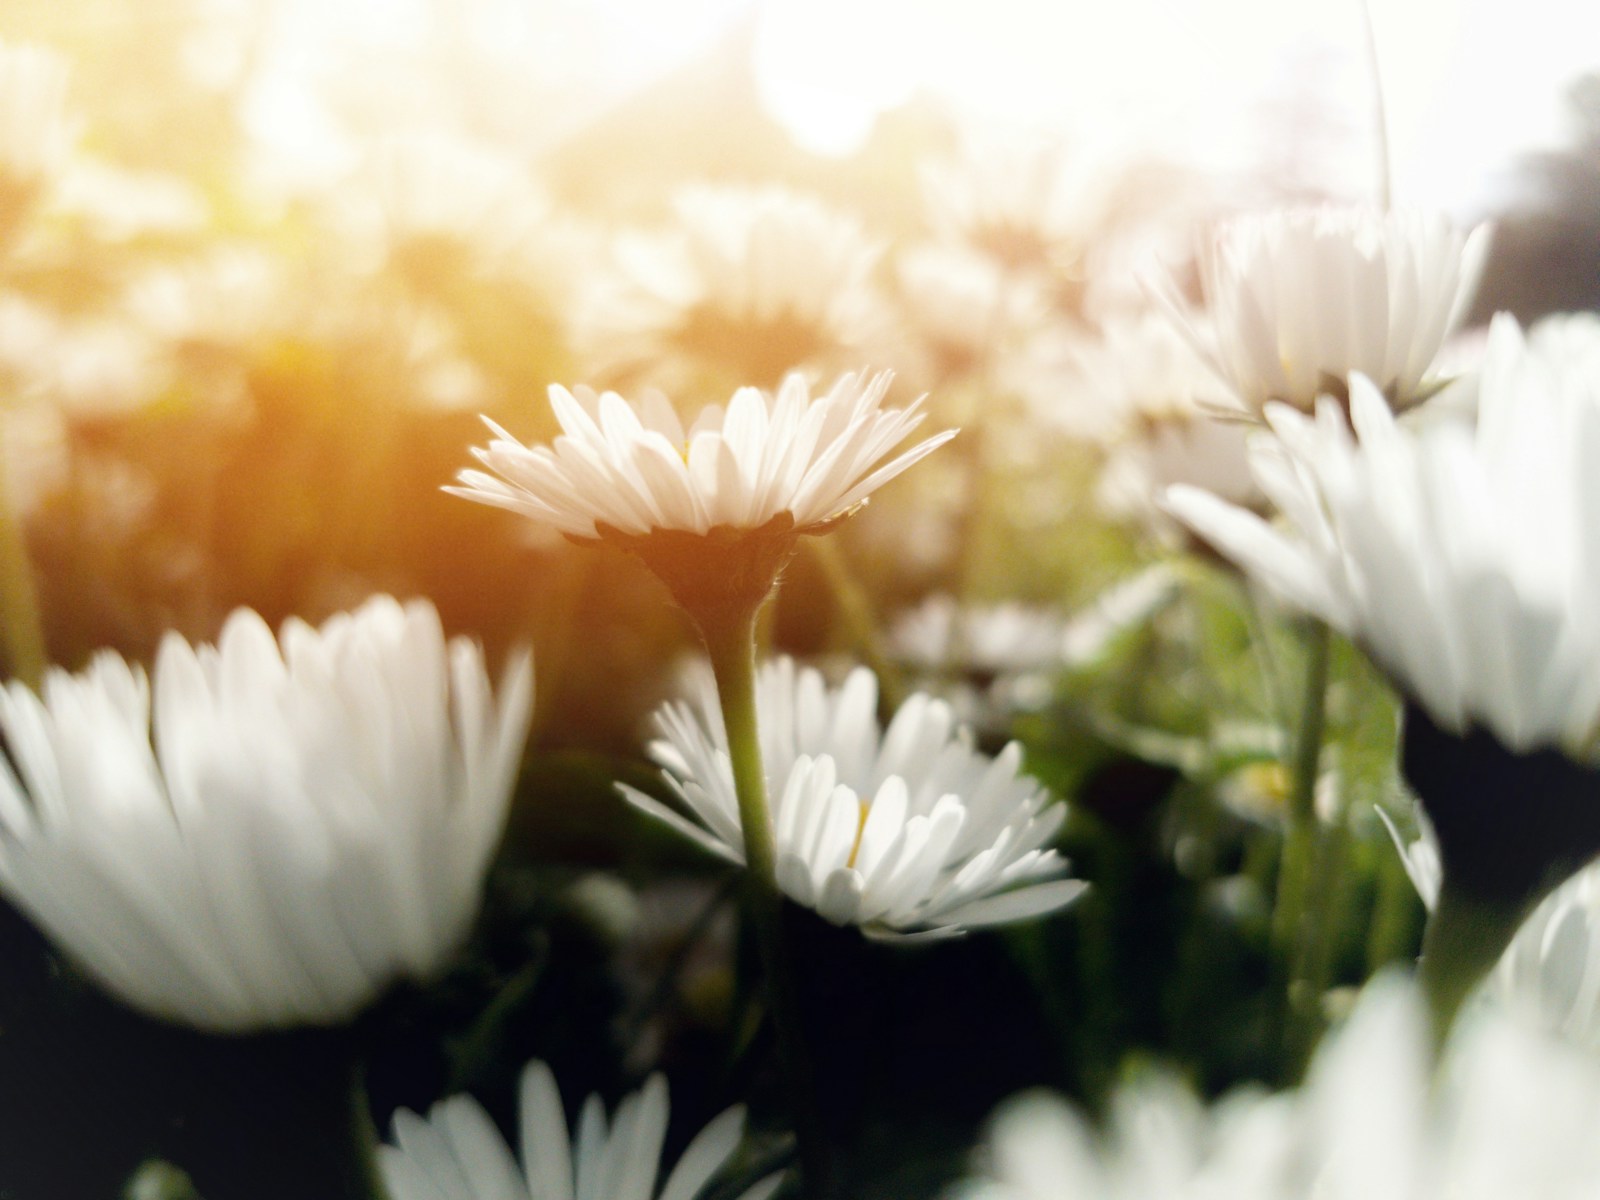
x=1464, y=939
x=21, y=630
x=730, y=642
x=364, y=1140
x=1295, y=923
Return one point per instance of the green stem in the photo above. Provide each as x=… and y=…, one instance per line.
x=1292, y=919
x=21, y=629
x=364, y=1139
x=1392, y=933
x=730, y=642
x=1463, y=941
x=1312, y=965
x=1266, y=658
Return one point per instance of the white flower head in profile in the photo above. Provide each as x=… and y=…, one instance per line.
x=747, y=283
x=718, y=503
x=1301, y=298
x=1465, y=560
x=1510, y=1114
x=456, y=1153
x=902, y=830
x=270, y=831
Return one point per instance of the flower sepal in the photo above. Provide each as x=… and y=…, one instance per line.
x=718, y=575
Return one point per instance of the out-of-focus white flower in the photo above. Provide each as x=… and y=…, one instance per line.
x=988, y=662
x=993, y=661
x=637, y=469
x=1161, y=425
x=962, y=307
x=268, y=832
x=1302, y=298
x=34, y=130
x=1030, y=203
x=750, y=282
x=233, y=296
x=422, y=198
x=456, y=1153
x=1200, y=452
x=902, y=830
x=116, y=204
x=33, y=447
x=1463, y=559
x=939, y=635
x=439, y=376
x=1511, y=1115
x=85, y=367
x=1146, y=373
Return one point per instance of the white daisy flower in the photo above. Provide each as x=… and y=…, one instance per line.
x=755, y=282
x=636, y=469
x=1465, y=560
x=1302, y=298
x=267, y=832
x=456, y=1153
x=1511, y=1114
x=902, y=830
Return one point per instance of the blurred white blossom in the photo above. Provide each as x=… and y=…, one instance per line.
x=1301, y=298
x=270, y=831
x=1510, y=1115
x=1463, y=559
x=456, y=1153
x=749, y=283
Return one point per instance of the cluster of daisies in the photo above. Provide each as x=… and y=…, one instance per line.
x=272, y=830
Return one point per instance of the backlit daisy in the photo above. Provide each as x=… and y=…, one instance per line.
x=1302, y=298
x=902, y=830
